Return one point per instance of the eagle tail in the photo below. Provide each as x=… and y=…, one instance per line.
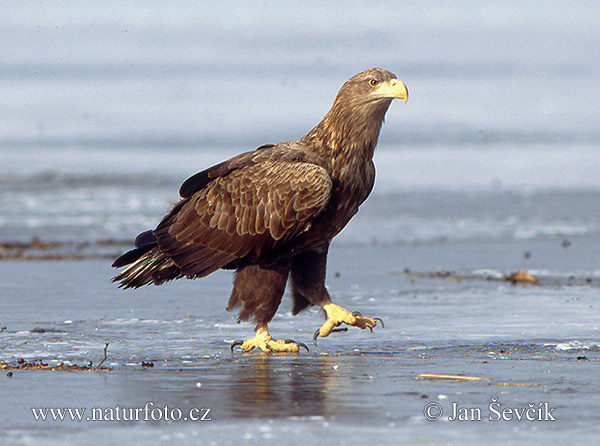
x=151, y=266
x=148, y=264
x=130, y=256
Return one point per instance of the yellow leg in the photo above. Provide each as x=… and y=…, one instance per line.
x=337, y=315
x=263, y=341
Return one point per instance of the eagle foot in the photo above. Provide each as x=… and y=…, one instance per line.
x=337, y=315
x=263, y=341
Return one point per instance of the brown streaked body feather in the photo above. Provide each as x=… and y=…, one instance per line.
x=270, y=213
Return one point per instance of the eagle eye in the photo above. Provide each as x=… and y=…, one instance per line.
x=373, y=82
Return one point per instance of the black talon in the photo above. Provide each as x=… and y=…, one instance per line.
x=299, y=344
x=235, y=344
x=302, y=344
x=380, y=321
x=357, y=314
x=370, y=328
x=316, y=335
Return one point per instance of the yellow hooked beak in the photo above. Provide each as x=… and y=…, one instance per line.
x=393, y=88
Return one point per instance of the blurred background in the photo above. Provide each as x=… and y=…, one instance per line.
x=155, y=73
x=106, y=107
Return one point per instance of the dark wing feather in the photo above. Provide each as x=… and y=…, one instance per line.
x=144, y=242
x=258, y=203
x=145, y=239
x=198, y=181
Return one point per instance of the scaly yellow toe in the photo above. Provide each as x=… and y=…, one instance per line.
x=337, y=315
x=263, y=341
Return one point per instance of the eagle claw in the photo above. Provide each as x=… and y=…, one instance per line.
x=315, y=336
x=235, y=344
x=263, y=341
x=299, y=344
x=240, y=343
x=337, y=315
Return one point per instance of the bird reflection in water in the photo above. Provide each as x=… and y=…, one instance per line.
x=267, y=386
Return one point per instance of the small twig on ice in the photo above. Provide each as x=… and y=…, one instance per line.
x=103, y=359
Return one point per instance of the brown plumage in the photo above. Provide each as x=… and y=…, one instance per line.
x=271, y=213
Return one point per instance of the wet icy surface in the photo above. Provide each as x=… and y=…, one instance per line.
x=355, y=383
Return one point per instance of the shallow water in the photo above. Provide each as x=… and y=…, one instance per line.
x=492, y=167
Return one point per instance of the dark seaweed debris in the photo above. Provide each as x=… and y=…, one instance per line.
x=36, y=249
x=39, y=364
x=521, y=277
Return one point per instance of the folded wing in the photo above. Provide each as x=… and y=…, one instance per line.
x=250, y=211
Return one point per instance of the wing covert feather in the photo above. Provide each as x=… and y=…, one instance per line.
x=248, y=211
